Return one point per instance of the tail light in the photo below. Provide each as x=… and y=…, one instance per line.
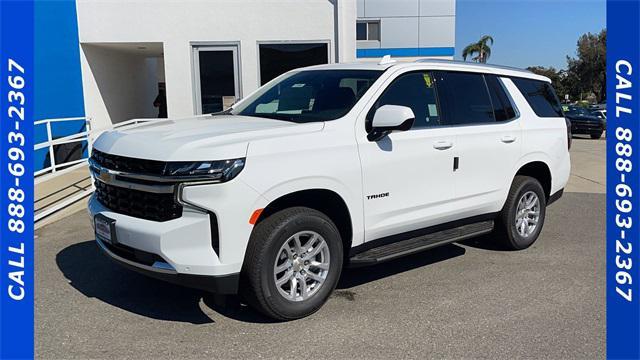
x=568, y=122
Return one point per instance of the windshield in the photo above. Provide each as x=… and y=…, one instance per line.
x=309, y=96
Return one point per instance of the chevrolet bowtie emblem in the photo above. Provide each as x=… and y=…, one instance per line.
x=104, y=176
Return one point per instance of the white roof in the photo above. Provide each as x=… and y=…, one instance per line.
x=434, y=64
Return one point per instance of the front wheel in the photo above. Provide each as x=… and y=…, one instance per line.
x=597, y=135
x=522, y=216
x=293, y=263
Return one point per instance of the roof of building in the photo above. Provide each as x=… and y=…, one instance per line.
x=435, y=64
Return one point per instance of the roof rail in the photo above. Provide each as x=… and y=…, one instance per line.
x=489, y=66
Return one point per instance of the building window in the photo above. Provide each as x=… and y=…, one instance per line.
x=276, y=59
x=368, y=30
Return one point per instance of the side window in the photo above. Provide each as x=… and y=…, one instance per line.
x=540, y=96
x=464, y=98
x=502, y=107
x=415, y=90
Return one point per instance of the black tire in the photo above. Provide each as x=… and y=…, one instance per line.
x=258, y=285
x=596, y=136
x=506, y=231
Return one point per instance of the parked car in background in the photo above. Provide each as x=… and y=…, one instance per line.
x=584, y=122
x=602, y=114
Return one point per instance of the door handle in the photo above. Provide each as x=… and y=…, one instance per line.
x=507, y=139
x=442, y=145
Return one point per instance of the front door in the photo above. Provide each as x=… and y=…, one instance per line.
x=408, y=176
x=216, y=78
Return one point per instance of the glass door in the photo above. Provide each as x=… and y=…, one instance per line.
x=216, y=79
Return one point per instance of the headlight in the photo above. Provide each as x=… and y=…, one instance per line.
x=220, y=170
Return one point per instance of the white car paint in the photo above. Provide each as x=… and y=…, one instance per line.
x=414, y=167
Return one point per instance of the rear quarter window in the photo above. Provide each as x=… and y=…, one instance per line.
x=540, y=96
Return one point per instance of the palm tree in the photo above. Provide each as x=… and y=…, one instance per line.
x=481, y=48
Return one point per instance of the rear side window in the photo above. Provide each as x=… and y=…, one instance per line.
x=540, y=96
x=502, y=106
x=415, y=90
x=464, y=98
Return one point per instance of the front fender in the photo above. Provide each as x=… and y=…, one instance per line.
x=351, y=199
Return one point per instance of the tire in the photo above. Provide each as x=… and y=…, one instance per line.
x=596, y=136
x=272, y=245
x=508, y=232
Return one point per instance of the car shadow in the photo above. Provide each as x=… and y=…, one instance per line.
x=485, y=242
x=95, y=276
x=352, y=277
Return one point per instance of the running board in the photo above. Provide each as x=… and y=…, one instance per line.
x=420, y=243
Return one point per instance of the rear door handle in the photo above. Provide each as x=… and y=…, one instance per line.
x=507, y=139
x=442, y=145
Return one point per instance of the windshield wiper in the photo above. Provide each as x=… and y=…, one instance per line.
x=273, y=116
x=224, y=112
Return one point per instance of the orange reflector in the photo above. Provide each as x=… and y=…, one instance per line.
x=254, y=217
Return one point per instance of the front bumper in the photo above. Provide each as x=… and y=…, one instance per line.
x=223, y=284
x=586, y=127
x=181, y=250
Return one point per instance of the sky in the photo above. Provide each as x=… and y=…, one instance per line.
x=528, y=32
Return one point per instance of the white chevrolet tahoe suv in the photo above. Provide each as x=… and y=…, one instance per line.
x=328, y=166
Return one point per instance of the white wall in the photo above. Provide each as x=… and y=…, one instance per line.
x=179, y=24
x=117, y=85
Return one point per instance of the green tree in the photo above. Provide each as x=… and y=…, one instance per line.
x=586, y=73
x=585, y=76
x=480, y=49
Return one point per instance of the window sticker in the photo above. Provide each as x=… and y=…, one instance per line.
x=433, y=110
x=427, y=80
x=297, y=85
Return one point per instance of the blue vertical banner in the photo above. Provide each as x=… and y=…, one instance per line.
x=16, y=179
x=623, y=181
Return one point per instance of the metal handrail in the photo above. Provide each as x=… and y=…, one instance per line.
x=44, y=121
x=57, y=169
x=50, y=143
x=88, y=135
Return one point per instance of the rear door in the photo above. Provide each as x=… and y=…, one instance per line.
x=488, y=138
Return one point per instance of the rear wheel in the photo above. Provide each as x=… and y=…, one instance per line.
x=293, y=263
x=522, y=217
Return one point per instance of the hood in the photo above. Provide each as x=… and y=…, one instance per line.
x=589, y=118
x=199, y=138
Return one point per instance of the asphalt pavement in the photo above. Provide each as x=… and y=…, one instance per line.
x=468, y=300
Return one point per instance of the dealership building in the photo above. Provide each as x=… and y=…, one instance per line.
x=208, y=54
x=101, y=63
x=111, y=61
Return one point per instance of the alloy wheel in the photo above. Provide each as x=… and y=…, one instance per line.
x=527, y=214
x=301, y=266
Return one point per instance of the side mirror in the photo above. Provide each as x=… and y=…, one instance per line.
x=390, y=118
